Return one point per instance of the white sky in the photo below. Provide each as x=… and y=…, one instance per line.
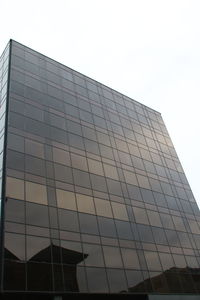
x=148, y=50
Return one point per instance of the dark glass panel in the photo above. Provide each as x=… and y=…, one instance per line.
x=160, y=199
x=15, y=211
x=34, y=112
x=106, y=151
x=14, y=275
x=107, y=227
x=37, y=128
x=123, y=230
x=63, y=173
x=117, y=281
x=171, y=202
x=173, y=282
x=88, y=223
x=74, y=127
x=81, y=178
x=34, y=148
x=98, y=183
x=76, y=141
x=69, y=98
x=159, y=283
x=135, y=281
x=14, y=246
x=184, y=239
x=38, y=249
x=172, y=238
x=17, y=88
x=89, y=133
x=58, y=277
x=130, y=259
x=51, y=195
x=166, y=261
x=134, y=192
x=147, y=196
x=167, y=221
x=57, y=121
x=97, y=280
x=37, y=214
x=53, y=217
x=114, y=187
x=15, y=160
x=35, y=166
x=152, y=260
x=95, y=255
x=145, y=233
x=58, y=135
x=112, y=257
x=71, y=110
x=37, y=279
x=74, y=279
x=159, y=236
x=15, y=142
x=72, y=253
x=91, y=146
x=86, y=116
x=68, y=220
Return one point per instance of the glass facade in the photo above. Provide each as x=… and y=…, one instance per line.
x=95, y=194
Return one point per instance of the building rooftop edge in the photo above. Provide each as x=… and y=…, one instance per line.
x=12, y=40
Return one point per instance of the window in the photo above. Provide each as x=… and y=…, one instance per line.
x=14, y=188
x=119, y=211
x=140, y=215
x=35, y=166
x=114, y=187
x=152, y=261
x=68, y=220
x=65, y=199
x=103, y=208
x=34, y=148
x=61, y=156
x=95, y=167
x=81, y=178
x=111, y=171
x=154, y=218
x=85, y=204
x=63, y=173
x=36, y=193
x=37, y=214
x=95, y=255
x=130, y=177
x=97, y=280
x=79, y=162
x=112, y=257
x=130, y=259
x=15, y=211
x=107, y=227
x=88, y=224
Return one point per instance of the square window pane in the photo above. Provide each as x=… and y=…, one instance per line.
x=85, y=204
x=112, y=257
x=36, y=193
x=66, y=199
x=95, y=167
x=14, y=188
x=130, y=258
x=119, y=211
x=111, y=172
x=103, y=208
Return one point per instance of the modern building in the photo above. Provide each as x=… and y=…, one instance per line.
x=94, y=198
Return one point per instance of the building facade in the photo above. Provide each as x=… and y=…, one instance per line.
x=94, y=198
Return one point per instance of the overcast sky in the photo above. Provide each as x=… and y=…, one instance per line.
x=148, y=50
